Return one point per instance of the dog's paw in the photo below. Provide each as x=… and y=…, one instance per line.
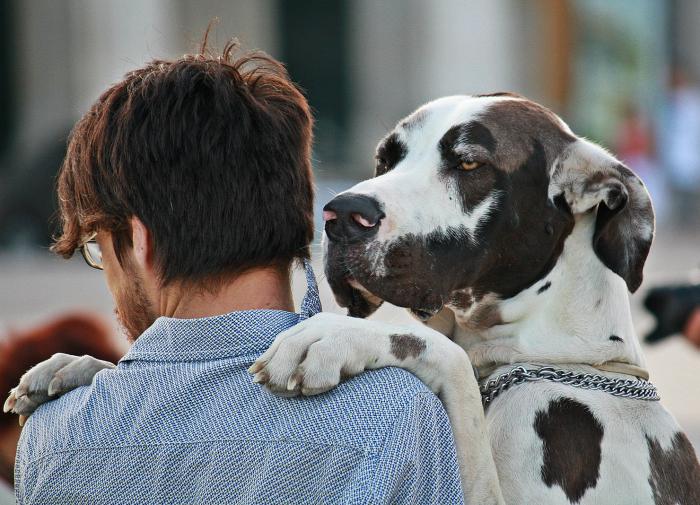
x=311, y=357
x=51, y=378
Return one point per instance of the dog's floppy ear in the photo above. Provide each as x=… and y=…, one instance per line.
x=592, y=180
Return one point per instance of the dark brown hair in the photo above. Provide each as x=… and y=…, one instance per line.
x=211, y=153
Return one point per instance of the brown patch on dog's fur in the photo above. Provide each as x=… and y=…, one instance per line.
x=571, y=438
x=500, y=93
x=405, y=345
x=515, y=123
x=462, y=299
x=675, y=473
x=485, y=316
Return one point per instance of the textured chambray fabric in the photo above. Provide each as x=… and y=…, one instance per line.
x=180, y=421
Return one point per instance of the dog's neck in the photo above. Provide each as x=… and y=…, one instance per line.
x=578, y=313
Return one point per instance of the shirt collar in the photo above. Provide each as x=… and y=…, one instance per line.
x=228, y=335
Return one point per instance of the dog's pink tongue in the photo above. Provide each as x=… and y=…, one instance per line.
x=361, y=220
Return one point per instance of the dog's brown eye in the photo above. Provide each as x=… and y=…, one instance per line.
x=381, y=164
x=470, y=165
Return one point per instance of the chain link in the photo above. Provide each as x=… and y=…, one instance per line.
x=627, y=388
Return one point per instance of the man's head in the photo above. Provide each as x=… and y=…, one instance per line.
x=473, y=198
x=191, y=171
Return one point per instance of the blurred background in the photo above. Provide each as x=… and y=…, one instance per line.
x=623, y=73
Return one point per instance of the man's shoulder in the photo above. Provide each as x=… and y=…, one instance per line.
x=384, y=391
x=364, y=410
x=359, y=414
x=390, y=378
x=44, y=430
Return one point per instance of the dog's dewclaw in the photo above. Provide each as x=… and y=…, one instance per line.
x=295, y=380
x=54, y=386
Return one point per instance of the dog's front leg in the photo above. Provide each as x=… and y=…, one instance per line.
x=50, y=379
x=315, y=355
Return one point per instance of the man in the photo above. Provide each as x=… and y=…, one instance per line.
x=189, y=183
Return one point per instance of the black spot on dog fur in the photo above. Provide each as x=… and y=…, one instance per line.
x=390, y=152
x=477, y=134
x=571, y=438
x=674, y=473
x=405, y=345
x=544, y=287
x=615, y=338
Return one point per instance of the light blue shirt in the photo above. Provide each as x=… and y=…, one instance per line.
x=180, y=421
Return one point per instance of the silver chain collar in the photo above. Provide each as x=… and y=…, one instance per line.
x=627, y=388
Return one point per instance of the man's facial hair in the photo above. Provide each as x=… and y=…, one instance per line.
x=132, y=309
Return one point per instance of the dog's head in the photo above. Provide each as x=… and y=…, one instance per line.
x=475, y=196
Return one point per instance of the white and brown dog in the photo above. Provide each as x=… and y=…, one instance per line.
x=515, y=241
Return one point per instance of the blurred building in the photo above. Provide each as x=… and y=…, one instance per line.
x=363, y=63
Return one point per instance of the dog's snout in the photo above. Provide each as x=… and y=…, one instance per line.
x=352, y=217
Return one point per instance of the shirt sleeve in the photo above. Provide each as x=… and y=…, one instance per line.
x=20, y=467
x=418, y=462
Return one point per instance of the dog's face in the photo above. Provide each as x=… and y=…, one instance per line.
x=474, y=196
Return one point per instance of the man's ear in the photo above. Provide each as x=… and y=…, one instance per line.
x=142, y=243
x=592, y=180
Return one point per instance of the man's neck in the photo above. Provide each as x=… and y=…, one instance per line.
x=264, y=288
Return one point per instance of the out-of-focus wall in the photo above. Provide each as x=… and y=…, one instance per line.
x=70, y=51
x=407, y=52
x=684, y=28
x=401, y=54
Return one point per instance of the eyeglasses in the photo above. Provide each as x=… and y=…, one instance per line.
x=90, y=250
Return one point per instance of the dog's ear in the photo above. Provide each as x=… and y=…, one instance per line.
x=592, y=180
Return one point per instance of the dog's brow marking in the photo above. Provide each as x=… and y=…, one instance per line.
x=544, y=287
x=571, y=453
x=674, y=473
x=615, y=338
x=475, y=132
x=405, y=345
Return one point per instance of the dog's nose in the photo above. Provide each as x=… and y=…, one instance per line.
x=351, y=217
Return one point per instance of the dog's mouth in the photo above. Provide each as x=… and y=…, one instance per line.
x=363, y=302
x=362, y=292
x=349, y=293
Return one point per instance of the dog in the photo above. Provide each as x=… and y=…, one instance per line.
x=515, y=242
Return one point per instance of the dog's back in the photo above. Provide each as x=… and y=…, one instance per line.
x=557, y=444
